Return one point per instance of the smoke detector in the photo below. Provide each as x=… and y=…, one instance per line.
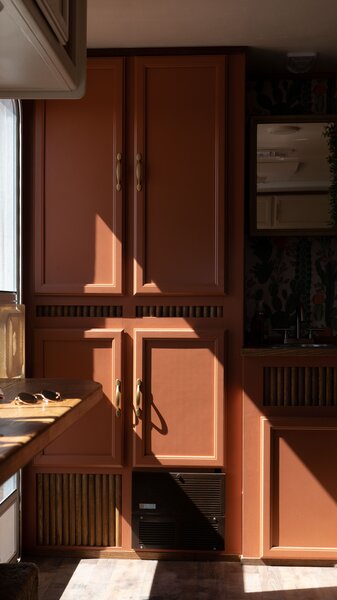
x=300, y=62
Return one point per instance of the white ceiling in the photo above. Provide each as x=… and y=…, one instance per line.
x=268, y=28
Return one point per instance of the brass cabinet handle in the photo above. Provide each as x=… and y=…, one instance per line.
x=119, y=172
x=139, y=172
x=139, y=385
x=118, y=397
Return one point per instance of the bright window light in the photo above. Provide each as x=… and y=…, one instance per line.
x=9, y=196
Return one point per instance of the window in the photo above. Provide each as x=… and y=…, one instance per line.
x=10, y=246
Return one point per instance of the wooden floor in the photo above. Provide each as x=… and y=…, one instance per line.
x=119, y=579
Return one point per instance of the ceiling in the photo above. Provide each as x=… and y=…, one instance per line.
x=268, y=28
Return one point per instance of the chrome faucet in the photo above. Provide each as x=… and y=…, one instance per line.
x=299, y=320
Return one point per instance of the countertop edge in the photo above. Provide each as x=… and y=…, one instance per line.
x=17, y=459
x=287, y=351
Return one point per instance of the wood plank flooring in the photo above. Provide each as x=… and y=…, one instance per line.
x=123, y=579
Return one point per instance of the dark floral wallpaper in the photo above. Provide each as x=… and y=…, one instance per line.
x=292, y=96
x=283, y=273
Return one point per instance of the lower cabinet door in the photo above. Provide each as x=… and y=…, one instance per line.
x=94, y=354
x=299, y=487
x=179, y=397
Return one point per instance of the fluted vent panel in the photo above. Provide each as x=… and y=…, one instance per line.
x=300, y=386
x=192, y=312
x=78, y=509
x=78, y=310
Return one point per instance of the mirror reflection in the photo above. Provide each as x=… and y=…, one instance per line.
x=292, y=176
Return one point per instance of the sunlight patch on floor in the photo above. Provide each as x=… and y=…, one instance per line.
x=282, y=578
x=95, y=579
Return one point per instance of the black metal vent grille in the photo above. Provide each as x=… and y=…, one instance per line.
x=178, y=510
x=78, y=310
x=200, y=536
x=206, y=493
x=157, y=534
x=192, y=312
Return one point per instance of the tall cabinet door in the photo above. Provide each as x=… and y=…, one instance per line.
x=94, y=354
x=179, y=174
x=79, y=187
x=179, y=398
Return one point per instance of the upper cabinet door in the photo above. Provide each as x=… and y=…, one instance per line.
x=179, y=398
x=79, y=187
x=179, y=190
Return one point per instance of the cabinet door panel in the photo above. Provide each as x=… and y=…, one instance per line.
x=96, y=439
x=299, y=487
x=179, y=203
x=78, y=208
x=181, y=398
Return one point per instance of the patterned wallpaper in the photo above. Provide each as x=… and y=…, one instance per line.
x=283, y=273
x=292, y=97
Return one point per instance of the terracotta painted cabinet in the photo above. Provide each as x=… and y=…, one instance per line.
x=179, y=397
x=95, y=354
x=179, y=175
x=178, y=405
x=289, y=456
x=135, y=271
x=78, y=203
x=173, y=170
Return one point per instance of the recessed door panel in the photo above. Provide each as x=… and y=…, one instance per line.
x=96, y=355
x=179, y=175
x=179, y=398
x=79, y=196
x=299, y=487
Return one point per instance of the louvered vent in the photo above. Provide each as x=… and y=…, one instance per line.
x=300, y=386
x=178, y=510
x=78, y=509
x=204, y=536
x=192, y=312
x=78, y=310
x=205, y=491
x=156, y=534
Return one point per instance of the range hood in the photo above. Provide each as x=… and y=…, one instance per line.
x=42, y=48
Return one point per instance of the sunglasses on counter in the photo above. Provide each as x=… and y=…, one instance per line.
x=41, y=397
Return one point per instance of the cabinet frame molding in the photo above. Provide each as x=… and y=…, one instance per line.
x=268, y=428
x=115, y=459
x=217, y=339
x=140, y=194
x=115, y=286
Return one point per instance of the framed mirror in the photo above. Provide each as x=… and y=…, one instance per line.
x=291, y=175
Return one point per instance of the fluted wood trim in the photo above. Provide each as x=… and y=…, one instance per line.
x=78, y=509
x=300, y=386
x=39, y=496
x=186, y=311
x=79, y=310
x=118, y=510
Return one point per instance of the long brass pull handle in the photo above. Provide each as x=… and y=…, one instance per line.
x=118, y=397
x=139, y=172
x=139, y=385
x=119, y=172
